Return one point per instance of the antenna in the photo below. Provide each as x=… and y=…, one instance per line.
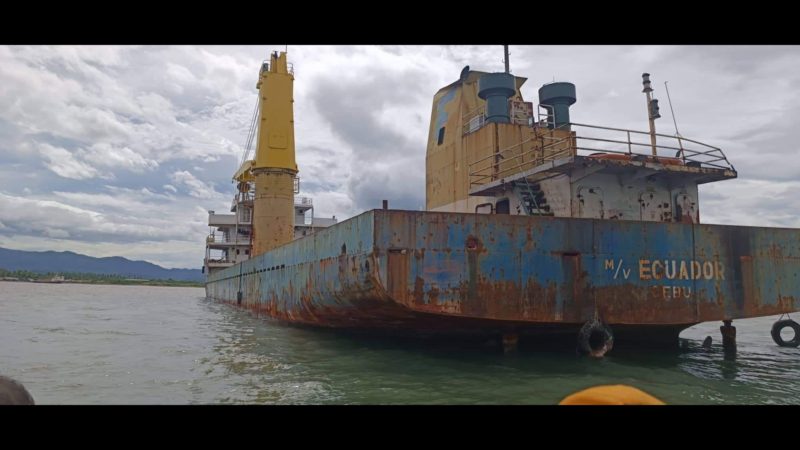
x=505, y=52
x=671, y=110
x=652, y=109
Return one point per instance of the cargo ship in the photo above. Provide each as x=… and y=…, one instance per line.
x=535, y=228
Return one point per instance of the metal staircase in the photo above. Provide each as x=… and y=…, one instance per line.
x=532, y=198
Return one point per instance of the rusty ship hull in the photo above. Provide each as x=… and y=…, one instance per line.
x=432, y=273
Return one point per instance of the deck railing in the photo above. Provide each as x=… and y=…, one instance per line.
x=589, y=139
x=218, y=238
x=210, y=261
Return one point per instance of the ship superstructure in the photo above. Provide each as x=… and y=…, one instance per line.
x=483, y=158
x=230, y=242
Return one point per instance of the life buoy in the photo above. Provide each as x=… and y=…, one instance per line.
x=780, y=325
x=595, y=339
x=611, y=395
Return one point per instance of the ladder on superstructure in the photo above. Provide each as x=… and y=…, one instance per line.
x=533, y=199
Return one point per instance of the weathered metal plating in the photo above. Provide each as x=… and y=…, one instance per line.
x=473, y=273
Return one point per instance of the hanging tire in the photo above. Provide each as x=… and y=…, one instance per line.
x=595, y=339
x=780, y=325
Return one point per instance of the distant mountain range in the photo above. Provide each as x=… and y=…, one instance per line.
x=43, y=262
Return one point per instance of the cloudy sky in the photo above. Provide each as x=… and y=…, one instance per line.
x=109, y=150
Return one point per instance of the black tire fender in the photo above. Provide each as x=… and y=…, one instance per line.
x=780, y=325
x=595, y=339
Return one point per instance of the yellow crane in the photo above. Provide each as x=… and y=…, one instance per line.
x=273, y=170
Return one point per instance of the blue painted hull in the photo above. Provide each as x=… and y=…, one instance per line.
x=473, y=273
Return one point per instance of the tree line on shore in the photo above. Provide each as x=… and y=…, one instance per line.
x=88, y=278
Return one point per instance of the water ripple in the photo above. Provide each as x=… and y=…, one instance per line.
x=155, y=345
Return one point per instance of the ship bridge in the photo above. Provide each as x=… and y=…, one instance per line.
x=501, y=160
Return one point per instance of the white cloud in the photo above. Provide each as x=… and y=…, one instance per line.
x=757, y=203
x=55, y=232
x=141, y=138
x=64, y=164
x=103, y=154
x=196, y=188
x=124, y=218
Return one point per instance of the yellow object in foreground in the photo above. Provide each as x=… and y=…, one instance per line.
x=611, y=395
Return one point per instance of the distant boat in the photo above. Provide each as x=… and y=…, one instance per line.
x=53, y=279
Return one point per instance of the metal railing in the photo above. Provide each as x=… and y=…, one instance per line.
x=244, y=197
x=687, y=150
x=524, y=155
x=542, y=148
x=303, y=201
x=210, y=261
x=546, y=116
x=218, y=238
x=475, y=119
x=265, y=66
